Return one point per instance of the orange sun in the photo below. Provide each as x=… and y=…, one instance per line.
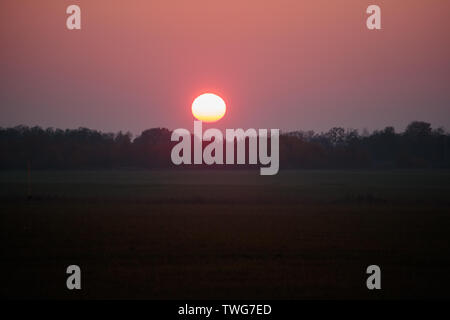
x=208, y=107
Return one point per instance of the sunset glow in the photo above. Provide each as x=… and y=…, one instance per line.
x=208, y=107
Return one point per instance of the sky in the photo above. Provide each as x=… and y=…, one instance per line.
x=293, y=65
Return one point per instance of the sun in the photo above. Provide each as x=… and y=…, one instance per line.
x=208, y=107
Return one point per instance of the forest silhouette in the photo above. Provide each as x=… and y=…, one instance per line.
x=419, y=146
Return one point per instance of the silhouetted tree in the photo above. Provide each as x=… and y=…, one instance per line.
x=419, y=146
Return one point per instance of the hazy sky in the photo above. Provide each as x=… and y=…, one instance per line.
x=300, y=64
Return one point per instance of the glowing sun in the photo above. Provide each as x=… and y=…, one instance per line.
x=208, y=107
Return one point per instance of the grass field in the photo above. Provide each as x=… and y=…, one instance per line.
x=225, y=234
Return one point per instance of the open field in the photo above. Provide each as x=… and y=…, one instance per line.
x=225, y=234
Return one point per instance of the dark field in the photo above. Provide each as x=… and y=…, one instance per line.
x=225, y=234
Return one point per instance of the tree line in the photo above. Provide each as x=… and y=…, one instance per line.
x=419, y=146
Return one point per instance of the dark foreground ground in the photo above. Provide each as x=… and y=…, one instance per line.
x=225, y=234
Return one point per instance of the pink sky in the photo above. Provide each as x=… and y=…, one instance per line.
x=296, y=64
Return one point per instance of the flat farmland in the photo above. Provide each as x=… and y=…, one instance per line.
x=186, y=234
